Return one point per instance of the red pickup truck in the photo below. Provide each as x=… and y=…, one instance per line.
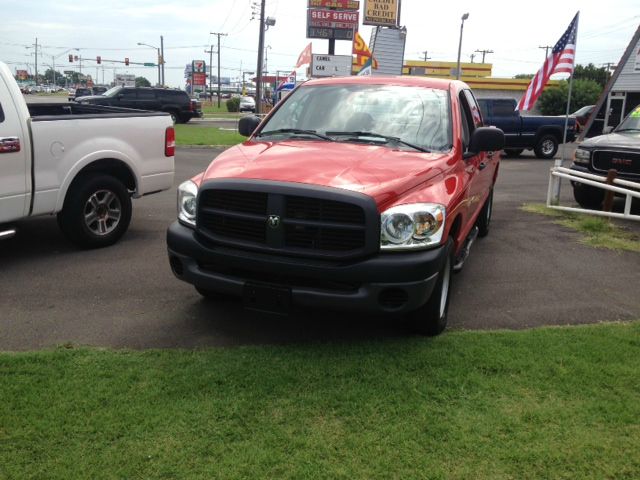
x=355, y=194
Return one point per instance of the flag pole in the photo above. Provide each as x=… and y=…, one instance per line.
x=555, y=199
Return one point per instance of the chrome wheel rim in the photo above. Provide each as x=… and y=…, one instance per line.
x=489, y=210
x=547, y=147
x=102, y=212
x=444, y=293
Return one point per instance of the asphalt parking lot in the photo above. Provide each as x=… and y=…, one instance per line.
x=527, y=272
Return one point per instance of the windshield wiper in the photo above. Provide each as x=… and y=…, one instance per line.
x=628, y=130
x=386, y=138
x=295, y=131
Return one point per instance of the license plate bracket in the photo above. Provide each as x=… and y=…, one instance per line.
x=267, y=298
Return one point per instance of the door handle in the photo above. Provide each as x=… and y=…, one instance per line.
x=9, y=144
x=482, y=165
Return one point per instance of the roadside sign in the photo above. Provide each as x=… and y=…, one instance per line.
x=69, y=72
x=336, y=19
x=340, y=4
x=199, y=78
x=198, y=66
x=380, y=12
x=150, y=65
x=329, y=33
x=330, y=65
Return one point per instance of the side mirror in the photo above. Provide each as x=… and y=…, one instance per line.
x=248, y=124
x=485, y=139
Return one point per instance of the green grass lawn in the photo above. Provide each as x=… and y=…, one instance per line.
x=196, y=135
x=598, y=232
x=553, y=403
x=209, y=109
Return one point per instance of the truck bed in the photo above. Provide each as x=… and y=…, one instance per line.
x=64, y=111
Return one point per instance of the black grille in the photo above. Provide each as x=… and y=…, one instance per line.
x=305, y=208
x=290, y=223
x=323, y=238
x=236, y=201
x=623, y=162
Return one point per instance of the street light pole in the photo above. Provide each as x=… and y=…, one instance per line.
x=162, y=56
x=158, y=50
x=464, y=17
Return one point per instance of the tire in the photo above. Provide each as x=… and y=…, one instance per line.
x=484, y=219
x=431, y=318
x=513, y=152
x=588, y=197
x=546, y=147
x=96, y=211
x=175, y=117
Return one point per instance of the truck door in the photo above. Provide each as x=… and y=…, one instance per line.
x=504, y=116
x=477, y=166
x=15, y=171
x=488, y=163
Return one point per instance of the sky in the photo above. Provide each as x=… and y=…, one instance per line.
x=514, y=30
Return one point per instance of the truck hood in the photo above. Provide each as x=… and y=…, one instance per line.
x=378, y=171
x=626, y=140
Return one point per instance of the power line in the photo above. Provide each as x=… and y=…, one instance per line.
x=483, y=52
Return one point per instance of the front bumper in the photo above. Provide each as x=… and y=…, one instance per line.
x=385, y=283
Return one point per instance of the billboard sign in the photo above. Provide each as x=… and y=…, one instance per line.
x=331, y=65
x=340, y=4
x=329, y=33
x=125, y=80
x=332, y=19
x=380, y=12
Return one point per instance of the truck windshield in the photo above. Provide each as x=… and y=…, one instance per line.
x=414, y=115
x=112, y=92
x=631, y=123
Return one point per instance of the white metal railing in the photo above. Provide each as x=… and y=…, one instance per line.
x=597, y=181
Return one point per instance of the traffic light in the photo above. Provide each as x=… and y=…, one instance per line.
x=70, y=58
x=98, y=59
x=126, y=61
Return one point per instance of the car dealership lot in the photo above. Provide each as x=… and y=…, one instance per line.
x=527, y=272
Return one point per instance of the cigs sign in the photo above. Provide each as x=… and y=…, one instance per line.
x=380, y=12
x=340, y=4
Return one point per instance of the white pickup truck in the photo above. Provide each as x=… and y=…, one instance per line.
x=81, y=162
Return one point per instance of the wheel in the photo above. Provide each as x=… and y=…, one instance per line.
x=211, y=295
x=484, y=219
x=96, y=211
x=546, y=147
x=431, y=318
x=587, y=196
x=513, y=152
x=175, y=118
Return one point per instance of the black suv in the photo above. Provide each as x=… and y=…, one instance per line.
x=175, y=102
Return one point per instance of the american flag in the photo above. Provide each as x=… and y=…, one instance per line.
x=561, y=60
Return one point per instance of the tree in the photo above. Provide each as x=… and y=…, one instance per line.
x=142, y=82
x=528, y=76
x=591, y=72
x=553, y=100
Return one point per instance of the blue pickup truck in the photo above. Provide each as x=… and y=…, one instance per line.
x=538, y=133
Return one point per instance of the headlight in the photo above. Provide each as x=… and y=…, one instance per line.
x=582, y=156
x=412, y=226
x=187, y=193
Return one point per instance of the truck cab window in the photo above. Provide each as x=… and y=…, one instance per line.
x=465, y=117
x=504, y=108
x=1, y=114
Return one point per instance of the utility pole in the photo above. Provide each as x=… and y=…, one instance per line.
x=219, y=35
x=473, y=55
x=546, y=50
x=210, y=52
x=483, y=52
x=426, y=57
x=36, y=45
x=162, y=55
x=260, y=59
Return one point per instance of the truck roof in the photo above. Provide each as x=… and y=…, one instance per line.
x=405, y=80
